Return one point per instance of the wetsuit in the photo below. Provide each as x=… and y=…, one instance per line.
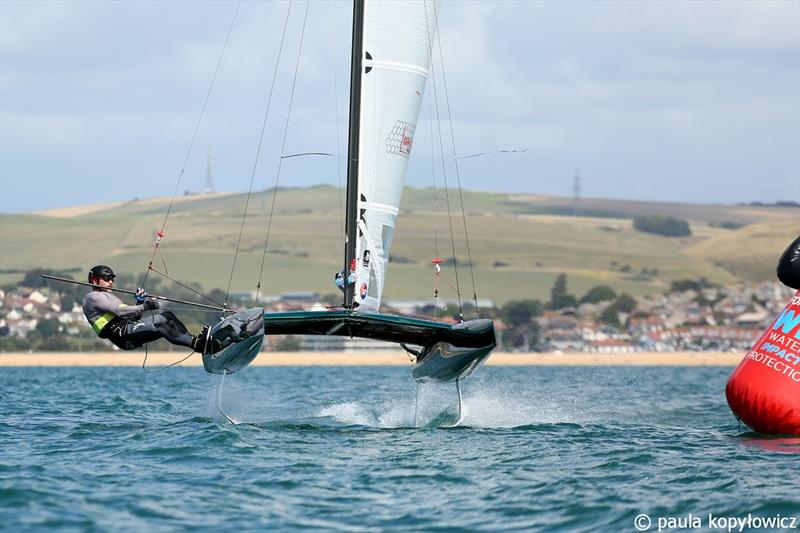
x=789, y=265
x=125, y=326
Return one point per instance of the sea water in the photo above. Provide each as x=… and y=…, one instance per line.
x=336, y=449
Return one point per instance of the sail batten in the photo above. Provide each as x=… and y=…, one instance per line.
x=372, y=206
x=393, y=65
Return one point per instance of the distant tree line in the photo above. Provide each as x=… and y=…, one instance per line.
x=661, y=225
x=725, y=224
x=779, y=203
x=681, y=285
x=523, y=331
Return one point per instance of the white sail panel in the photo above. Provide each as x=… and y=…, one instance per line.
x=398, y=37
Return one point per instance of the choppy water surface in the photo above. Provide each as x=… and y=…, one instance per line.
x=336, y=449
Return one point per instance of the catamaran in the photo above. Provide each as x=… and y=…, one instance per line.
x=390, y=62
x=391, y=53
x=389, y=68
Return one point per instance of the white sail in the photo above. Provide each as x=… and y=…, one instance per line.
x=398, y=37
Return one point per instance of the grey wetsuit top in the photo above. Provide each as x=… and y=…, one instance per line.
x=97, y=305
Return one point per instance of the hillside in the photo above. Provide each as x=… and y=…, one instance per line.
x=519, y=244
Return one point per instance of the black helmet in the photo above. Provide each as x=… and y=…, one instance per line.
x=100, y=271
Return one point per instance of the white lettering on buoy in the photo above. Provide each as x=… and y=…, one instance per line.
x=774, y=364
x=788, y=322
x=781, y=352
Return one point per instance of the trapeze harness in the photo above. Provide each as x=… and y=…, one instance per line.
x=125, y=326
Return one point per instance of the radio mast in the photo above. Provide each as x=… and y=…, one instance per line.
x=209, y=184
x=577, y=208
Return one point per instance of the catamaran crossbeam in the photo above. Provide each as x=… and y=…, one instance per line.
x=448, y=351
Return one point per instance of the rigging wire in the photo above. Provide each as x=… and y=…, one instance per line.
x=195, y=310
x=160, y=233
x=336, y=123
x=159, y=369
x=437, y=268
x=165, y=275
x=444, y=178
x=448, y=283
x=507, y=151
x=164, y=367
x=455, y=160
x=283, y=147
x=187, y=287
x=258, y=153
x=304, y=154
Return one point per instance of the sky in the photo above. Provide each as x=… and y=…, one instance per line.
x=666, y=101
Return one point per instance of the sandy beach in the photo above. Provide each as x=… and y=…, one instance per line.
x=389, y=358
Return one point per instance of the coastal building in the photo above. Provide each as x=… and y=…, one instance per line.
x=719, y=318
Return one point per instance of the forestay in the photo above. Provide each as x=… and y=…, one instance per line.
x=397, y=41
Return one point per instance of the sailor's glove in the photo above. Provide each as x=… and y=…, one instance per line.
x=140, y=295
x=150, y=304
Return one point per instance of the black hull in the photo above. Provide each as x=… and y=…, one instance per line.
x=449, y=352
x=443, y=362
x=241, y=335
x=391, y=328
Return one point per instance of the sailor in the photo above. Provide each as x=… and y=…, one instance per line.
x=338, y=278
x=789, y=265
x=129, y=326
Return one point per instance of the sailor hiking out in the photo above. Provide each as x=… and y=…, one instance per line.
x=131, y=326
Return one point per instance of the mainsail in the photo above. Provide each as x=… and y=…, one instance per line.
x=396, y=51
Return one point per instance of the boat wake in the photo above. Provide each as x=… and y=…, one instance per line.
x=385, y=415
x=487, y=404
x=482, y=408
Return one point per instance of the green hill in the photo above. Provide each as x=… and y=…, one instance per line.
x=519, y=244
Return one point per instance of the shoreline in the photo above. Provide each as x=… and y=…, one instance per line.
x=388, y=358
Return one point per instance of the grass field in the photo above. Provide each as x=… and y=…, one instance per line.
x=518, y=244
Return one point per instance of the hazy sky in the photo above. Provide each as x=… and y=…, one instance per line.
x=669, y=100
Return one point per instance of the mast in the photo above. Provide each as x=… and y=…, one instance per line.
x=351, y=211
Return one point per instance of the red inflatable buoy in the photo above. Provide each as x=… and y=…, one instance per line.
x=764, y=390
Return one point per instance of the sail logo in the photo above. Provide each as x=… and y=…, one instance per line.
x=405, y=143
x=400, y=139
x=362, y=291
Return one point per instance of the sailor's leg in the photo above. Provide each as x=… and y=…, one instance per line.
x=169, y=327
x=131, y=334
